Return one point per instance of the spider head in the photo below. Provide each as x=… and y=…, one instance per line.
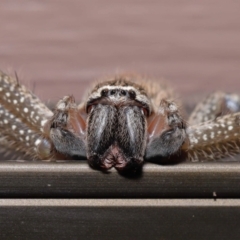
x=116, y=125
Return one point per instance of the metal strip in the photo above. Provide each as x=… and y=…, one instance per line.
x=76, y=180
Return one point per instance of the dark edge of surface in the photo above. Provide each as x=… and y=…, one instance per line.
x=76, y=179
x=119, y=219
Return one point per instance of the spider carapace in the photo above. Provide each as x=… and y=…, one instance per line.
x=122, y=122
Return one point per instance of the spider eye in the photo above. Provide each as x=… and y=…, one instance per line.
x=112, y=92
x=132, y=94
x=104, y=92
x=123, y=93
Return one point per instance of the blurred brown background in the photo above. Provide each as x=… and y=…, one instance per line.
x=59, y=46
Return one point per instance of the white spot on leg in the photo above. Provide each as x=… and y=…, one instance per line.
x=212, y=135
x=25, y=110
x=193, y=140
x=37, y=142
x=21, y=132
x=43, y=122
x=230, y=128
x=12, y=88
x=61, y=106
x=22, y=99
x=14, y=127
x=205, y=137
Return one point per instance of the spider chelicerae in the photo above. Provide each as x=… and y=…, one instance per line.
x=123, y=121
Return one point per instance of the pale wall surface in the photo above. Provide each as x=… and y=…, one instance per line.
x=59, y=46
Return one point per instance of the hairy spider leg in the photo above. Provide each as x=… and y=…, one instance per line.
x=214, y=128
x=166, y=130
x=22, y=117
x=64, y=133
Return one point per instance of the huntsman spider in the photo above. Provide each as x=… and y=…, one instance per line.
x=122, y=122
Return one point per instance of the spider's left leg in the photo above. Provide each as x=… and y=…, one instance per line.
x=64, y=133
x=215, y=105
x=214, y=130
x=167, y=132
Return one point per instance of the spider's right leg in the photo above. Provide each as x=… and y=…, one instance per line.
x=211, y=137
x=64, y=133
x=22, y=116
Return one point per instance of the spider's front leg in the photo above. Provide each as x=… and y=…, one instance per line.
x=64, y=133
x=22, y=117
x=213, y=106
x=214, y=130
x=167, y=132
x=210, y=135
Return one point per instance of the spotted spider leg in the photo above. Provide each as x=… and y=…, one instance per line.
x=16, y=135
x=214, y=128
x=215, y=105
x=22, y=117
